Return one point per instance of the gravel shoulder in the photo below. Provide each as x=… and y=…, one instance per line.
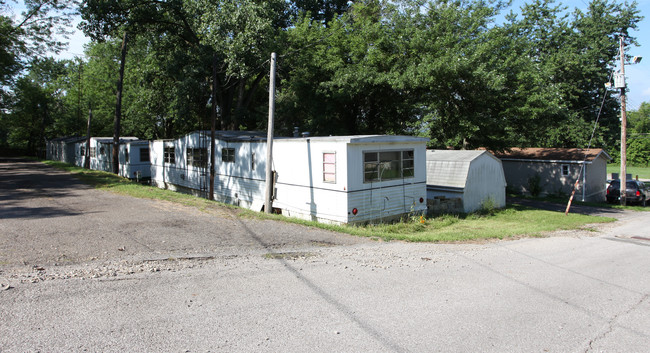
x=49, y=218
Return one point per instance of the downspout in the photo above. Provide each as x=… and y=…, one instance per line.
x=584, y=179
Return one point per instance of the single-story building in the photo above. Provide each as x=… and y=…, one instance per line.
x=556, y=170
x=133, y=156
x=62, y=149
x=337, y=179
x=474, y=178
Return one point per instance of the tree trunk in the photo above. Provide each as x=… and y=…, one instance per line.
x=118, y=109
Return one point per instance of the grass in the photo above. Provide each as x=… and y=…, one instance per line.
x=641, y=172
x=512, y=222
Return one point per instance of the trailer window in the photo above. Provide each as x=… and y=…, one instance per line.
x=228, y=155
x=565, y=170
x=197, y=157
x=126, y=155
x=144, y=154
x=388, y=165
x=82, y=150
x=170, y=155
x=329, y=167
x=93, y=152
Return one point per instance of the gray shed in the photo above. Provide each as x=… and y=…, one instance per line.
x=464, y=180
x=557, y=170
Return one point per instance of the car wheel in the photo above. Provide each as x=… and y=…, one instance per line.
x=643, y=202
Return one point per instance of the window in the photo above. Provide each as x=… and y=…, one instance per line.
x=170, y=154
x=197, y=157
x=228, y=155
x=329, y=167
x=126, y=155
x=252, y=160
x=82, y=150
x=387, y=165
x=144, y=154
x=102, y=150
x=565, y=170
x=93, y=152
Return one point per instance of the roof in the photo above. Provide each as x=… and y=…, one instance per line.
x=360, y=139
x=234, y=136
x=454, y=155
x=553, y=154
x=245, y=136
x=68, y=139
x=450, y=168
x=122, y=139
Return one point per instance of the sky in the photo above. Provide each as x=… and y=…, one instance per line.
x=638, y=76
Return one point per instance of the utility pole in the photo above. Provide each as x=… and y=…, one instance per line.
x=268, y=204
x=87, y=151
x=118, y=109
x=623, y=176
x=214, y=125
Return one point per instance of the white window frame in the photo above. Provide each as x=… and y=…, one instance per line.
x=325, y=169
x=169, y=154
x=568, y=170
x=406, y=162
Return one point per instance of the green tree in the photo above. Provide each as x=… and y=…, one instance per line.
x=29, y=34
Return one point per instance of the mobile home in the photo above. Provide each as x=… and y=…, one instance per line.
x=62, y=149
x=336, y=179
x=555, y=171
x=134, y=160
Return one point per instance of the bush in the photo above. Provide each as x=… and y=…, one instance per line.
x=535, y=185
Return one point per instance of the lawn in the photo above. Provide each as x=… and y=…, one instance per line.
x=512, y=222
x=641, y=172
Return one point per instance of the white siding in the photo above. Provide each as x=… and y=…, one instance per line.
x=301, y=189
x=473, y=176
x=389, y=199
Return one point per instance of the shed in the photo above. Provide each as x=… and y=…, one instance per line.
x=335, y=179
x=475, y=178
x=556, y=170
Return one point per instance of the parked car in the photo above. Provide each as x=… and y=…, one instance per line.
x=635, y=192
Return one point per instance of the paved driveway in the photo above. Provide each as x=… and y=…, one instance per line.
x=187, y=281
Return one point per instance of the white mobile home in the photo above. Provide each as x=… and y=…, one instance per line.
x=134, y=160
x=350, y=179
x=476, y=178
x=182, y=164
x=340, y=179
x=62, y=149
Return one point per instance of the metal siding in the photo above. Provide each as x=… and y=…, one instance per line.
x=386, y=199
x=485, y=180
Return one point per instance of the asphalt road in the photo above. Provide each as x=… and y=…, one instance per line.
x=79, y=274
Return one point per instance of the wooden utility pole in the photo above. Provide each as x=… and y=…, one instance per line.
x=87, y=151
x=214, y=124
x=268, y=203
x=118, y=109
x=623, y=176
